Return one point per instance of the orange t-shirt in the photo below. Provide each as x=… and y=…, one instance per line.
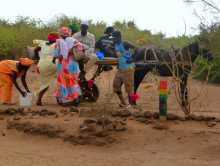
x=8, y=67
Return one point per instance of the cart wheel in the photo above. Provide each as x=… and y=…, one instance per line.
x=90, y=94
x=72, y=103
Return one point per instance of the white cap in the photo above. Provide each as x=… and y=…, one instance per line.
x=85, y=22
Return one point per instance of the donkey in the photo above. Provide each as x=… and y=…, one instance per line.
x=165, y=63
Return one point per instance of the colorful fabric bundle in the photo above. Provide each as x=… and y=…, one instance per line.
x=78, y=51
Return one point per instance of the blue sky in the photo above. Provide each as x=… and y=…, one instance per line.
x=167, y=16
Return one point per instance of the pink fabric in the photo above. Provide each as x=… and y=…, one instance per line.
x=90, y=83
x=134, y=96
x=52, y=37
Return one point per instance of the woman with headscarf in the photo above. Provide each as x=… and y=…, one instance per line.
x=10, y=70
x=47, y=69
x=68, y=90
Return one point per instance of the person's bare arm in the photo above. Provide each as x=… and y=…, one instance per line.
x=23, y=80
x=14, y=78
x=118, y=54
x=36, y=53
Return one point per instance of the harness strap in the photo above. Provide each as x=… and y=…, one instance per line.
x=146, y=60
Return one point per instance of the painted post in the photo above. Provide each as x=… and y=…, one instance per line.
x=163, y=93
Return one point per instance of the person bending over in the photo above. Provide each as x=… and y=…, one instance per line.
x=10, y=70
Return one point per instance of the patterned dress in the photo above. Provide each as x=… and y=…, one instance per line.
x=68, y=88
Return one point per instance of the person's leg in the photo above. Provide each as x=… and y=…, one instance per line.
x=5, y=89
x=82, y=70
x=128, y=80
x=139, y=75
x=7, y=94
x=1, y=92
x=40, y=96
x=117, y=84
x=2, y=82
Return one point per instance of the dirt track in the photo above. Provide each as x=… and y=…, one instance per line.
x=188, y=143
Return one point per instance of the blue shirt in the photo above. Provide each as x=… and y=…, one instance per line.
x=124, y=62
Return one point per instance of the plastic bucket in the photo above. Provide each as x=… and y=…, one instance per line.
x=26, y=101
x=100, y=55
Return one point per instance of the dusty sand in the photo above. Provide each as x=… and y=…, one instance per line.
x=188, y=143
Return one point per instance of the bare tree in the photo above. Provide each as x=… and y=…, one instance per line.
x=210, y=13
x=208, y=3
x=211, y=4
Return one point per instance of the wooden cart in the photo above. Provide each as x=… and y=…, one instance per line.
x=107, y=61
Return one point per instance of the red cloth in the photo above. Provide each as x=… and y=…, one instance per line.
x=90, y=83
x=134, y=96
x=52, y=37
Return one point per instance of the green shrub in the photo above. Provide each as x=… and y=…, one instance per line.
x=210, y=38
x=14, y=37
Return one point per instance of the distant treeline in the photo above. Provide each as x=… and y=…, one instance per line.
x=15, y=36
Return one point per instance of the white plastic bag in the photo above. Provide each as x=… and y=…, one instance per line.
x=26, y=101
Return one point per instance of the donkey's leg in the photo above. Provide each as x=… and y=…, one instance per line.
x=139, y=76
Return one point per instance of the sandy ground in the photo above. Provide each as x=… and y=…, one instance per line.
x=188, y=143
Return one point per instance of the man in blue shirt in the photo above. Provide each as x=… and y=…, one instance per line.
x=125, y=73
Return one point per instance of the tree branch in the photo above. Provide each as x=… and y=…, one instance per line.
x=206, y=2
x=211, y=5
